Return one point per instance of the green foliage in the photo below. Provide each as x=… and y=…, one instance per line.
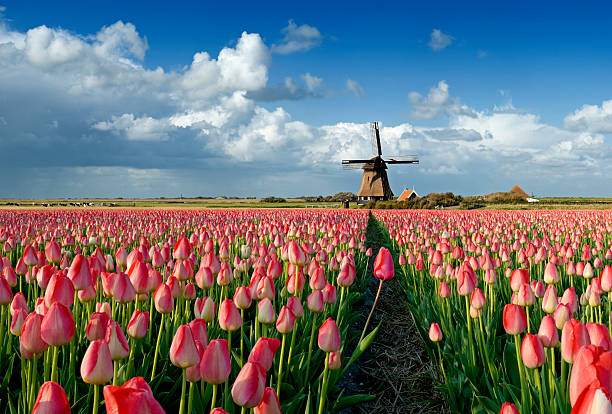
x=272, y=199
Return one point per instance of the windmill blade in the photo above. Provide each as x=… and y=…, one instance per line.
x=353, y=166
x=403, y=159
x=402, y=162
x=375, y=136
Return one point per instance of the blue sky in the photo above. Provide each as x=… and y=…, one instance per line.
x=140, y=99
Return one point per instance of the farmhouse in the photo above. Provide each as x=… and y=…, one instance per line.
x=408, y=195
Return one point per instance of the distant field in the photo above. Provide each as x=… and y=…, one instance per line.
x=550, y=203
x=191, y=203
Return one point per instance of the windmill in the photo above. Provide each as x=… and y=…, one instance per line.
x=374, y=183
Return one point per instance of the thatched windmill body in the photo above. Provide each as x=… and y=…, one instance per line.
x=374, y=183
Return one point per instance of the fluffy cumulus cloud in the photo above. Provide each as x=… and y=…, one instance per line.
x=591, y=118
x=298, y=39
x=439, y=40
x=84, y=116
x=437, y=102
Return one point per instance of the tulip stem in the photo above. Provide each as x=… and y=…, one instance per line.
x=190, y=405
x=517, y=343
x=214, y=397
x=226, y=388
x=365, y=327
x=312, y=333
x=54, y=364
x=183, y=390
x=96, y=399
x=292, y=342
x=536, y=373
x=161, y=328
x=280, y=366
x=241, y=337
x=115, y=370
x=324, y=385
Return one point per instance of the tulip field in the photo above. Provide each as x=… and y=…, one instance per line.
x=228, y=311
x=180, y=311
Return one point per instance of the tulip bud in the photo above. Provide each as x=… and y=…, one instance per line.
x=329, y=338
x=599, y=335
x=269, y=403
x=138, y=325
x=183, y=352
x=315, y=302
x=17, y=321
x=164, y=303
x=242, y=297
x=134, y=397
x=263, y=352
x=97, y=364
x=573, y=336
x=117, y=343
x=508, y=408
x=383, y=265
x=205, y=309
x=592, y=366
x=248, y=389
x=216, y=364
x=435, y=333
x=198, y=331
x=229, y=316
x=285, y=321
x=51, y=399
x=532, y=351
x=57, y=327
x=265, y=312
x=30, y=334
x=548, y=332
x=515, y=320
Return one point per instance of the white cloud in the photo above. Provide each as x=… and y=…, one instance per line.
x=437, y=102
x=439, y=40
x=138, y=129
x=312, y=82
x=120, y=40
x=354, y=87
x=298, y=39
x=592, y=118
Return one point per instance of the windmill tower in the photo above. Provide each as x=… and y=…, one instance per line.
x=374, y=183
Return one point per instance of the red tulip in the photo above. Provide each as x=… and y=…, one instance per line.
x=96, y=327
x=435, y=333
x=269, y=403
x=548, y=332
x=183, y=352
x=182, y=249
x=163, y=299
x=515, y=320
x=29, y=256
x=242, y=297
x=53, y=252
x=383, y=265
x=573, y=337
x=194, y=373
x=59, y=289
x=335, y=360
x=592, y=365
x=229, y=316
x=97, y=364
x=30, y=334
x=133, y=397
x=216, y=364
x=296, y=254
x=6, y=295
x=599, y=335
x=139, y=276
x=79, y=272
x=315, y=302
x=518, y=278
x=508, y=408
x=248, y=389
x=285, y=321
x=293, y=303
x=198, y=331
x=265, y=312
x=532, y=351
x=17, y=321
x=218, y=410
x=138, y=325
x=117, y=343
x=51, y=399
x=329, y=338
x=593, y=400
x=263, y=352
x=57, y=327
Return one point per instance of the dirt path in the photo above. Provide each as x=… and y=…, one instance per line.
x=396, y=368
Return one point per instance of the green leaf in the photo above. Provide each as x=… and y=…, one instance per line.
x=344, y=402
x=361, y=347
